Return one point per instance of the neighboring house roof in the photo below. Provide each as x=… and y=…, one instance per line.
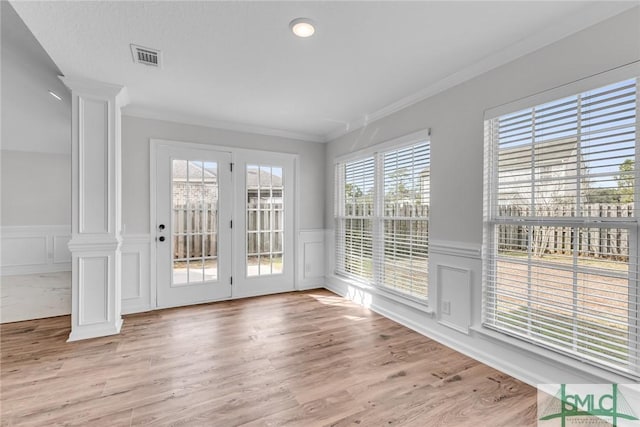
x=252, y=178
x=195, y=172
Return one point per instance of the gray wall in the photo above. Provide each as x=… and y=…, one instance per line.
x=136, y=133
x=36, y=188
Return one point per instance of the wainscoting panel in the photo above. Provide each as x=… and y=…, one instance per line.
x=454, y=297
x=35, y=249
x=455, y=272
x=135, y=273
x=94, y=273
x=311, y=263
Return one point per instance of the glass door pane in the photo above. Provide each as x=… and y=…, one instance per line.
x=194, y=222
x=265, y=220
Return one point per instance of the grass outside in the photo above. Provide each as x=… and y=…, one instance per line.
x=599, y=297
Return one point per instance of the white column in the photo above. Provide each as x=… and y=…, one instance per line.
x=96, y=208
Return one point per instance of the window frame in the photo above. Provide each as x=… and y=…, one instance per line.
x=492, y=219
x=377, y=218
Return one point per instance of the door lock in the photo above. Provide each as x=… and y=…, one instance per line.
x=161, y=227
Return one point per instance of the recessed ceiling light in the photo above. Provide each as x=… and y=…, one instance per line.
x=55, y=95
x=302, y=27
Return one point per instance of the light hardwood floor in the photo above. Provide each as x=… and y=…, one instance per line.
x=297, y=359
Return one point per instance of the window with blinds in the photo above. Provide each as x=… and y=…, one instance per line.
x=561, y=229
x=354, y=220
x=405, y=219
x=382, y=219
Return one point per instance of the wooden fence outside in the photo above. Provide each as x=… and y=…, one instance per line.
x=195, y=230
x=598, y=242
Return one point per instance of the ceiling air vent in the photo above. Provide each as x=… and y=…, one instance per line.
x=145, y=55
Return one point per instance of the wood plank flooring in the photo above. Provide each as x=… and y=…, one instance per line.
x=297, y=359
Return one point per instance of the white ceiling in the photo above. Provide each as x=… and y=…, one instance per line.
x=236, y=64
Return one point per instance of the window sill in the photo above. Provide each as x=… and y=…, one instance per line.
x=414, y=303
x=583, y=366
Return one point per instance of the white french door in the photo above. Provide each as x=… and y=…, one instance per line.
x=193, y=229
x=264, y=237
x=224, y=223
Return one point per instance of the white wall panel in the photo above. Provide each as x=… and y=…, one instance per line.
x=311, y=262
x=131, y=275
x=454, y=296
x=94, y=166
x=18, y=251
x=94, y=274
x=34, y=249
x=136, y=289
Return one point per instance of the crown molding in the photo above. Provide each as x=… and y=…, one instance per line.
x=150, y=113
x=94, y=87
x=589, y=16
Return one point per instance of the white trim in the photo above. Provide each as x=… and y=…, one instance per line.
x=96, y=89
x=98, y=244
x=95, y=330
x=34, y=230
x=399, y=142
x=148, y=113
x=153, y=154
x=458, y=249
x=585, y=18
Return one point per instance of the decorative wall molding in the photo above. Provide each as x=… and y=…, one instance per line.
x=457, y=249
x=136, y=285
x=454, y=297
x=35, y=249
x=311, y=263
x=95, y=244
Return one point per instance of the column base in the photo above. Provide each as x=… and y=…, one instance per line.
x=95, y=331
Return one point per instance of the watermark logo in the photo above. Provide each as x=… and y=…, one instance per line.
x=567, y=405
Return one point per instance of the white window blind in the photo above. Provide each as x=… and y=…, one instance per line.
x=382, y=219
x=561, y=230
x=405, y=219
x=354, y=221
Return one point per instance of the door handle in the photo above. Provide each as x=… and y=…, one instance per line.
x=161, y=238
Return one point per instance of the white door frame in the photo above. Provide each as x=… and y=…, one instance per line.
x=154, y=143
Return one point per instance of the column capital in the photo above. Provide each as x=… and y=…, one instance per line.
x=97, y=88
